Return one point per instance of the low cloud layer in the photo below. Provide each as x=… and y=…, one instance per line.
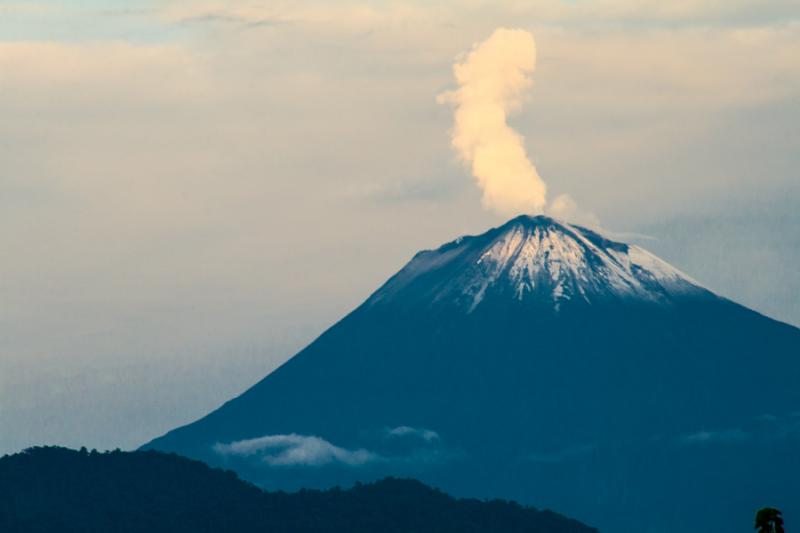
x=296, y=450
x=391, y=446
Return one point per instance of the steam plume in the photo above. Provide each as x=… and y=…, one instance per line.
x=491, y=81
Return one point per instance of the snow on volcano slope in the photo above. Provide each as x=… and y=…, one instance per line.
x=537, y=258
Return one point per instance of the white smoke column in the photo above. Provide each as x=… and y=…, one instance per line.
x=491, y=81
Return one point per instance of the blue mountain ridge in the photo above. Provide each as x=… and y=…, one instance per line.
x=541, y=362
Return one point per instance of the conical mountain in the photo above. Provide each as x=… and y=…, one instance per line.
x=543, y=362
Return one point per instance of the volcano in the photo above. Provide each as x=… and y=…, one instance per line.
x=542, y=362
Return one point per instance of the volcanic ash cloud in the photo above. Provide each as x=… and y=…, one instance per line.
x=491, y=79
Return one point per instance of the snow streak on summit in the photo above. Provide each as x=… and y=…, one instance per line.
x=537, y=259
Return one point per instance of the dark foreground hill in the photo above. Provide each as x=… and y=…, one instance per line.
x=60, y=490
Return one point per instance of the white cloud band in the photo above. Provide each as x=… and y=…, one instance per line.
x=296, y=450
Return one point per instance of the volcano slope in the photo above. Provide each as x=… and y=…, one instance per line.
x=543, y=362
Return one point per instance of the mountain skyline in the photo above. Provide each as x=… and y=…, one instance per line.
x=192, y=190
x=538, y=361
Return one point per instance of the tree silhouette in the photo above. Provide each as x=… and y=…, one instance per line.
x=55, y=489
x=769, y=520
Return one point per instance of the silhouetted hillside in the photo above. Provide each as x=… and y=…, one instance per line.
x=56, y=489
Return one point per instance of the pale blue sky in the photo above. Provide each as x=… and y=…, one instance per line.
x=81, y=21
x=193, y=190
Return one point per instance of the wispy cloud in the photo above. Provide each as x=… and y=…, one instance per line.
x=589, y=12
x=426, y=435
x=223, y=18
x=764, y=428
x=398, y=445
x=296, y=450
x=721, y=436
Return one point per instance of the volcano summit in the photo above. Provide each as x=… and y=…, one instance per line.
x=543, y=362
x=536, y=259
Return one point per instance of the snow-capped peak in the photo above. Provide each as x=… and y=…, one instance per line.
x=538, y=259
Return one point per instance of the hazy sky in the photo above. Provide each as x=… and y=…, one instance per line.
x=191, y=191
